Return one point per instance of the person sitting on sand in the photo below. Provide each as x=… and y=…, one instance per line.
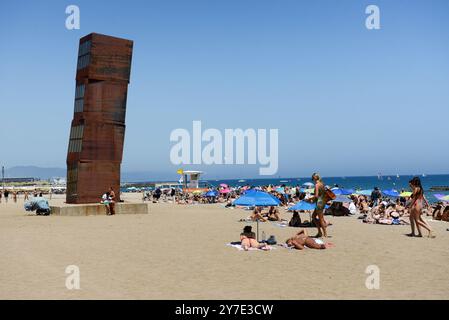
x=352, y=207
x=105, y=201
x=273, y=214
x=394, y=220
x=400, y=209
x=445, y=214
x=364, y=208
x=257, y=215
x=229, y=204
x=301, y=240
x=248, y=240
x=295, y=221
x=441, y=213
x=390, y=209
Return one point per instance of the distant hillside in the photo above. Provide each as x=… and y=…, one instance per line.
x=47, y=173
x=34, y=172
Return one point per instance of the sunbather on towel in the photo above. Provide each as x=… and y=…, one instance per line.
x=302, y=239
x=248, y=239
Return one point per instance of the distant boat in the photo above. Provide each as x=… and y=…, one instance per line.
x=379, y=176
x=283, y=181
x=242, y=180
x=424, y=175
x=397, y=176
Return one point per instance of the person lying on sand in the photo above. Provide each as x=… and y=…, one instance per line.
x=248, y=239
x=302, y=239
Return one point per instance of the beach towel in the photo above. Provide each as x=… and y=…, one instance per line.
x=239, y=247
x=280, y=224
x=246, y=220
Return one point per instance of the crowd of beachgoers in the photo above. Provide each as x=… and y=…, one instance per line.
x=387, y=207
x=373, y=208
x=376, y=207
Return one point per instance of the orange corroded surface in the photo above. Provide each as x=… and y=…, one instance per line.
x=98, y=127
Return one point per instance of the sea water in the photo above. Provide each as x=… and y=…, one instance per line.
x=360, y=183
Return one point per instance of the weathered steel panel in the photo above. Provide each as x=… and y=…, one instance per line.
x=98, y=127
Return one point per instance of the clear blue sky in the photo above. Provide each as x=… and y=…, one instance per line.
x=346, y=100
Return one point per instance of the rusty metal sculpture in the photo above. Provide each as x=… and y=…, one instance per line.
x=98, y=126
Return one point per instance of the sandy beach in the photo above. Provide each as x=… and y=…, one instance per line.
x=180, y=252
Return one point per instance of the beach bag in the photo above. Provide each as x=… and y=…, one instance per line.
x=271, y=241
x=329, y=195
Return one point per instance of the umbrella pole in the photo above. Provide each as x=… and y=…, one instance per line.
x=257, y=221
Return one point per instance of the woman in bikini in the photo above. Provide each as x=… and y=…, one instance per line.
x=418, y=201
x=319, y=199
x=257, y=215
x=273, y=214
x=302, y=239
x=248, y=239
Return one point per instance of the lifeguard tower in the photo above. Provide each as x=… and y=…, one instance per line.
x=191, y=181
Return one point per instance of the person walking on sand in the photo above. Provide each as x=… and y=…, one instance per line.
x=418, y=201
x=111, y=201
x=319, y=199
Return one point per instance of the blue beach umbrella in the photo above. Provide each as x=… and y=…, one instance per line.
x=280, y=190
x=307, y=190
x=342, y=192
x=342, y=199
x=256, y=198
x=211, y=193
x=303, y=206
x=391, y=193
x=364, y=192
x=308, y=184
